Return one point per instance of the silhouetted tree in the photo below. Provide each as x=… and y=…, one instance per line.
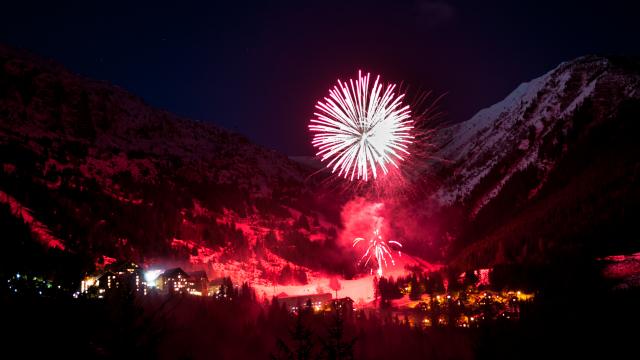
x=416, y=289
x=335, y=345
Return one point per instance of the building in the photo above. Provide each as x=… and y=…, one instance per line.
x=107, y=281
x=126, y=276
x=130, y=277
x=318, y=302
x=87, y=282
x=174, y=281
x=344, y=304
x=129, y=274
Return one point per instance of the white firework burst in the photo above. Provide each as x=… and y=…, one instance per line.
x=361, y=129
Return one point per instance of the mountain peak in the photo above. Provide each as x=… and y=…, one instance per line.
x=517, y=126
x=103, y=173
x=523, y=174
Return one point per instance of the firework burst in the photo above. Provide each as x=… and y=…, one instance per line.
x=377, y=249
x=360, y=130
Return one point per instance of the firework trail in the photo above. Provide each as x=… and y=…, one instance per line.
x=377, y=248
x=361, y=129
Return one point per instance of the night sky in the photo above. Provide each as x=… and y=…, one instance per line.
x=259, y=68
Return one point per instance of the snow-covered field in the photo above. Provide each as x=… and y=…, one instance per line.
x=360, y=290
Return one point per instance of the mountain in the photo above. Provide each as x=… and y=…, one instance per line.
x=89, y=169
x=550, y=170
x=94, y=170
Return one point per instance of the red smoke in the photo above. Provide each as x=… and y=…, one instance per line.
x=360, y=217
x=417, y=227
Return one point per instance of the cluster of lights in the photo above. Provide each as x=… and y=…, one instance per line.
x=507, y=309
x=144, y=281
x=176, y=285
x=31, y=284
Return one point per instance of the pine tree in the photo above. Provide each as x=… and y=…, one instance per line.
x=302, y=338
x=416, y=290
x=335, y=346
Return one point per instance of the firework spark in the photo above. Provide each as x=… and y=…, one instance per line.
x=377, y=249
x=361, y=129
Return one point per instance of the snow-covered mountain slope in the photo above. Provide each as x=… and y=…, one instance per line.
x=512, y=134
x=563, y=143
x=552, y=168
x=41, y=100
x=103, y=173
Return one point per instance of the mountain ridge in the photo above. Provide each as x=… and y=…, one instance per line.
x=109, y=175
x=525, y=140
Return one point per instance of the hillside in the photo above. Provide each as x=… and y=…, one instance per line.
x=551, y=170
x=96, y=171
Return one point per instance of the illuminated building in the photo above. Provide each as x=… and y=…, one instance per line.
x=344, y=304
x=174, y=281
x=120, y=275
x=129, y=274
x=86, y=283
x=106, y=282
x=296, y=303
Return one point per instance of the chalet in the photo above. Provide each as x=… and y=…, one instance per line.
x=344, y=304
x=106, y=282
x=87, y=282
x=130, y=277
x=173, y=281
x=129, y=274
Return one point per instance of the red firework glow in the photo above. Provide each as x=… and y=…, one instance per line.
x=360, y=129
x=361, y=216
x=379, y=249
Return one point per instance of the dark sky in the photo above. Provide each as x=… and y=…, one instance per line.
x=258, y=68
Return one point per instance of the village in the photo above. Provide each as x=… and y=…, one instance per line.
x=469, y=306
